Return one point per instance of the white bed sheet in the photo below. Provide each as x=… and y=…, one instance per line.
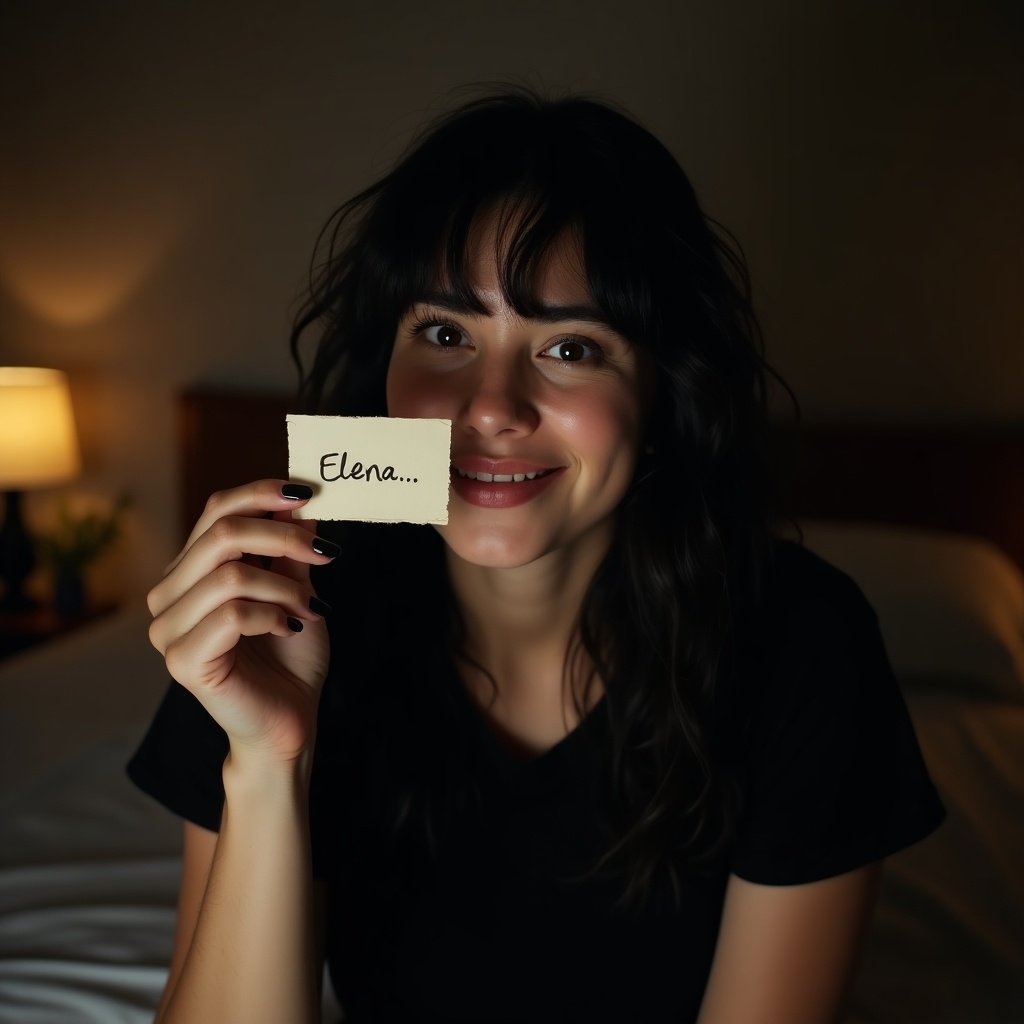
x=946, y=945
x=89, y=866
x=89, y=874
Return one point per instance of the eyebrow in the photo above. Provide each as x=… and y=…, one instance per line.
x=544, y=313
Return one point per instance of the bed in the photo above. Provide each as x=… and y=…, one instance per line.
x=929, y=525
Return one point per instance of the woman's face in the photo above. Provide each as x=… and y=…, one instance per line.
x=546, y=414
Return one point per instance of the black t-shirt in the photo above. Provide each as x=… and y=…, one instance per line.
x=487, y=918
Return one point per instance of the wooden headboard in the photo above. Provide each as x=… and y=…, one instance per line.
x=228, y=438
x=967, y=481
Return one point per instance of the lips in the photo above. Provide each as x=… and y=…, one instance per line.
x=500, y=483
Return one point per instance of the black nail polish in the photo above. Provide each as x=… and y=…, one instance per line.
x=294, y=624
x=296, y=492
x=325, y=547
x=318, y=607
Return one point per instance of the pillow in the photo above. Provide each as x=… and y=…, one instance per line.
x=950, y=606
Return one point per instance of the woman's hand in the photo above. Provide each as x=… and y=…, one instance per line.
x=233, y=620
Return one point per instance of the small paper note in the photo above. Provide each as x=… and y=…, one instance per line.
x=379, y=469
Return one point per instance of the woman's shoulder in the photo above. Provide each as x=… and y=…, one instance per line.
x=798, y=576
x=833, y=774
x=811, y=638
x=802, y=594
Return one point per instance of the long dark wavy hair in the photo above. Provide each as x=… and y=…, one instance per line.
x=693, y=534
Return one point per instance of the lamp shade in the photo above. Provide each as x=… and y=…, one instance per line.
x=38, y=445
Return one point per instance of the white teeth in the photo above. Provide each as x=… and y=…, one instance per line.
x=498, y=478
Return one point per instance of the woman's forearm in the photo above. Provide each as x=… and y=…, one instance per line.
x=251, y=956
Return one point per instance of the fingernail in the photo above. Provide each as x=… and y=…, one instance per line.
x=296, y=492
x=318, y=607
x=295, y=625
x=325, y=547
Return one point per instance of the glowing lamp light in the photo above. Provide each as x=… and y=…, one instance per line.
x=38, y=448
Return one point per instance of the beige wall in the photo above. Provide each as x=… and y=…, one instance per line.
x=163, y=178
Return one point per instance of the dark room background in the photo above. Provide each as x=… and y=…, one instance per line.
x=165, y=170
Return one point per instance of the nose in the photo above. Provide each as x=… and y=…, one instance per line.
x=500, y=400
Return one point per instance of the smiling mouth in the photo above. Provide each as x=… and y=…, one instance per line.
x=501, y=478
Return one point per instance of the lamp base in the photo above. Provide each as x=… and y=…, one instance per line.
x=18, y=602
x=17, y=557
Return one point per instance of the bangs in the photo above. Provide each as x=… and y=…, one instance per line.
x=521, y=178
x=526, y=231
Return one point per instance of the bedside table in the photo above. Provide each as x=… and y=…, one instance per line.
x=21, y=630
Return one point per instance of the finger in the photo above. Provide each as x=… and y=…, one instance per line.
x=288, y=567
x=233, y=581
x=252, y=499
x=230, y=539
x=205, y=655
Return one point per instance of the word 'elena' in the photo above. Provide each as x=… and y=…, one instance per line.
x=358, y=470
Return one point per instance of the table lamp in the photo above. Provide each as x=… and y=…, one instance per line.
x=38, y=448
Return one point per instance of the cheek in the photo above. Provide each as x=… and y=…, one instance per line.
x=394, y=392
x=409, y=393
x=603, y=426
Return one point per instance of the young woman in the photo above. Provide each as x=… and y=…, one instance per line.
x=599, y=749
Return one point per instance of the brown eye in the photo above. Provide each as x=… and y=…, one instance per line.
x=444, y=335
x=571, y=350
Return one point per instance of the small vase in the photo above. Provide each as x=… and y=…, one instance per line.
x=69, y=595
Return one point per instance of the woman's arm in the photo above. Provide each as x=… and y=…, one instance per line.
x=198, y=849
x=239, y=626
x=787, y=954
x=244, y=948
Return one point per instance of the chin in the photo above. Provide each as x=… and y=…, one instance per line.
x=492, y=549
x=512, y=546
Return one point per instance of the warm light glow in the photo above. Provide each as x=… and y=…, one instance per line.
x=87, y=229
x=81, y=278
x=38, y=445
